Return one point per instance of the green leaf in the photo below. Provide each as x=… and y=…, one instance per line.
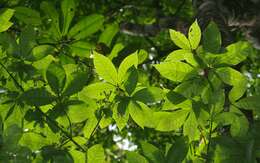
x=169, y=121
x=121, y=113
x=148, y=95
x=86, y=26
x=127, y=63
x=178, y=151
x=34, y=141
x=190, y=128
x=194, y=35
x=235, y=53
x=78, y=156
x=27, y=15
x=212, y=38
x=153, y=154
x=76, y=84
x=105, y=68
x=228, y=150
x=11, y=137
x=131, y=78
x=90, y=127
x=56, y=77
x=97, y=90
x=133, y=157
x=177, y=101
x=40, y=52
x=250, y=103
x=180, y=39
x=236, y=119
x=10, y=111
x=81, y=48
x=108, y=34
x=68, y=10
x=234, y=78
x=141, y=114
x=5, y=16
x=240, y=125
x=37, y=97
x=96, y=154
x=82, y=111
x=116, y=49
x=182, y=55
x=175, y=71
x=27, y=41
x=49, y=9
x=142, y=56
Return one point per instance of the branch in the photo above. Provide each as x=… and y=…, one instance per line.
x=44, y=114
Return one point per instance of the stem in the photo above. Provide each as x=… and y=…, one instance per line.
x=61, y=129
x=208, y=146
x=15, y=81
x=92, y=133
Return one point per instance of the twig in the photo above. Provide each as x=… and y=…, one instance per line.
x=44, y=114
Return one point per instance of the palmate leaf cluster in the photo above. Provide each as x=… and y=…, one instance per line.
x=59, y=93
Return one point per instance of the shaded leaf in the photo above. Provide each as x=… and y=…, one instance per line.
x=86, y=26
x=56, y=77
x=37, y=97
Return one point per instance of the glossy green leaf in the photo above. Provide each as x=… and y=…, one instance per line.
x=37, y=97
x=133, y=157
x=212, y=38
x=235, y=53
x=56, y=77
x=182, y=55
x=5, y=16
x=175, y=71
x=27, y=15
x=180, y=39
x=194, y=35
x=68, y=10
x=105, y=68
x=96, y=154
x=86, y=26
